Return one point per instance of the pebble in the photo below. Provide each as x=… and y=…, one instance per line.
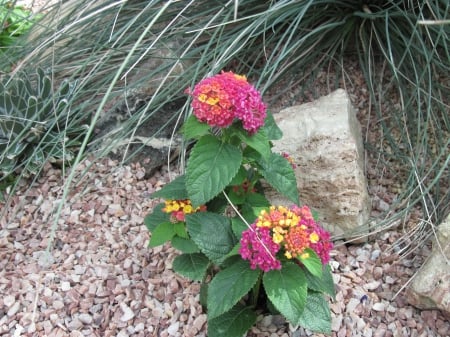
x=372, y=285
x=85, y=319
x=173, y=328
x=65, y=286
x=9, y=300
x=13, y=309
x=379, y=306
x=127, y=312
x=351, y=305
x=58, y=304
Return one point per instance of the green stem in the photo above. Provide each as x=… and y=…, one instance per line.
x=255, y=292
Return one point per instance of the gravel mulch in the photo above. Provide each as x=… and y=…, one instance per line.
x=102, y=279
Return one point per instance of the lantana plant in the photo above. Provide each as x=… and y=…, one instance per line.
x=251, y=257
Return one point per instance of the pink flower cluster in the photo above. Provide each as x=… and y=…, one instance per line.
x=220, y=99
x=281, y=229
x=257, y=247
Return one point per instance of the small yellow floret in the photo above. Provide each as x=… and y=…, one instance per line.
x=313, y=237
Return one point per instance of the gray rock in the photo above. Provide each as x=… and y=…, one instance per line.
x=430, y=288
x=324, y=139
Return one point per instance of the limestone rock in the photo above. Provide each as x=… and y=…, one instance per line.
x=430, y=288
x=324, y=139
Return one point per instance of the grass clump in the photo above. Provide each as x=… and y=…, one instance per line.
x=114, y=49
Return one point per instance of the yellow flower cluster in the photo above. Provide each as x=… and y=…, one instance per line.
x=179, y=208
x=279, y=219
x=289, y=230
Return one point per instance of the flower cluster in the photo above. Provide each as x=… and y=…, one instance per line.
x=290, y=230
x=220, y=99
x=179, y=208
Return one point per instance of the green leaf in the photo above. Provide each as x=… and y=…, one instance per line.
x=234, y=323
x=211, y=167
x=192, y=266
x=152, y=220
x=287, y=290
x=257, y=200
x=316, y=316
x=212, y=234
x=163, y=232
x=312, y=263
x=184, y=245
x=258, y=142
x=193, y=128
x=271, y=128
x=324, y=284
x=280, y=174
x=240, y=176
x=229, y=286
x=238, y=226
x=234, y=251
x=180, y=230
x=175, y=190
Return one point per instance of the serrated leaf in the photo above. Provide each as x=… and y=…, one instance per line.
x=193, y=128
x=258, y=141
x=212, y=234
x=234, y=323
x=184, y=245
x=180, y=230
x=279, y=174
x=235, y=250
x=229, y=286
x=211, y=167
x=240, y=176
x=192, y=266
x=316, y=316
x=238, y=226
x=312, y=262
x=287, y=290
x=163, y=232
x=152, y=220
x=324, y=284
x=175, y=190
x=271, y=128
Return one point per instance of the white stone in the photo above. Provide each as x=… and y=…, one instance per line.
x=65, y=286
x=430, y=288
x=127, y=312
x=173, y=328
x=324, y=139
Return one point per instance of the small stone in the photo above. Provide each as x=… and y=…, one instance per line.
x=380, y=332
x=139, y=327
x=372, y=285
x=79, y=270
x=13, y=309
x=75, y=324
x=375, y=254
x=173, y=328
x=58, y=304
x=127, y=312
x=266, y=321
x=336, y=322
x=379, y=306
x=9, y=300
x=122, y=333
x=85, y=319
x=377, y=273
x=389, y=280
x=351, y=305
x=65, y=286
x=200, y=321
